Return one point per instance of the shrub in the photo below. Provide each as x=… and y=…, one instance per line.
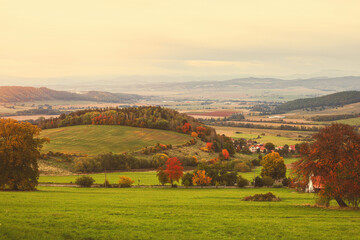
x=278, y=185
x=267, y=197
x=229, y=178
x=268, y=181
x=187, y=179
x=84, y=181
x=162, y=176
x=256, y=162
x=125, y=182
x=242, y=167
x=242, y=182
x=286, y=182
x=259, y=182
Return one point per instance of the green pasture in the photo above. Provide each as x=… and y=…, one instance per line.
x=278, y=141
x=146, y=178
x=92, y=139
x=350, y=121
x=135, y=213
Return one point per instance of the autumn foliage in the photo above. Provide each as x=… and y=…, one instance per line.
x=174, y=170
x=19, y=151
x=334, y=156
x=186, y=127
x=125, y=182
x=225, y=154
x=200, y=179
x=273, y=166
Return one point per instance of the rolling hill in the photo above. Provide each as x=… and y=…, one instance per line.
x=96, y=139
x=11, y=94
x=331, y=100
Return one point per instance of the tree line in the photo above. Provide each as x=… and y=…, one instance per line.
x=143, y=117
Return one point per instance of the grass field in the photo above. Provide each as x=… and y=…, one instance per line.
x=350, y=121
x=88, y=213
x=278, y=141
x=91, y=139
x=146, y=178
x=231, y=131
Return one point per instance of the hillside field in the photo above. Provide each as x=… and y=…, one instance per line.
x=96, y=139
x=98, y=213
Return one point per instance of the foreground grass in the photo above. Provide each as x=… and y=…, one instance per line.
x=72, y=213
x=94, y=139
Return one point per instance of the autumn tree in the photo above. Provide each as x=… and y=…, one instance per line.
x=20, y=146
x=225, y=154
x=273, y=166
x=334, y=156
x=174, y=170
x=269, y=147
x=162, y=176
x=201, y=179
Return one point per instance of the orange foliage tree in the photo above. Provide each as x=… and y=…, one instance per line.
x=194, y=134
x=186, y=127
x=333, y=157
x=174, y=170
x=209, y=145
x=200, y=178
x=225, y=153
x=19, y=151
x=201, y=131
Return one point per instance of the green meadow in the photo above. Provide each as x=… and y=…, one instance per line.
x=141, y=178
x=94, y=139
x=146, y=178
x=278, y=141
x=98, y=213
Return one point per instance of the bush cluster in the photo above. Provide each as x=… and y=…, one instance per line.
x=157, y=148
x=242, y=182
x=109, y=161
x=125, y=182
x=267, y=197
x=84, y=181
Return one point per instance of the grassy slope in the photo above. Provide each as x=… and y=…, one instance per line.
x=92, y=139
x=72, y=213
x=350, y=121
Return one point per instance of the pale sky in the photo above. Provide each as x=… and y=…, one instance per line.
x=57, y=38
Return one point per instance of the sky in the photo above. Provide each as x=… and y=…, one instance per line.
x=196, y=38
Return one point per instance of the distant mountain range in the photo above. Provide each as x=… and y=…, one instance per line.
x=324, y=84
x=251, y=88
x=331, y=100
x=11, y=94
